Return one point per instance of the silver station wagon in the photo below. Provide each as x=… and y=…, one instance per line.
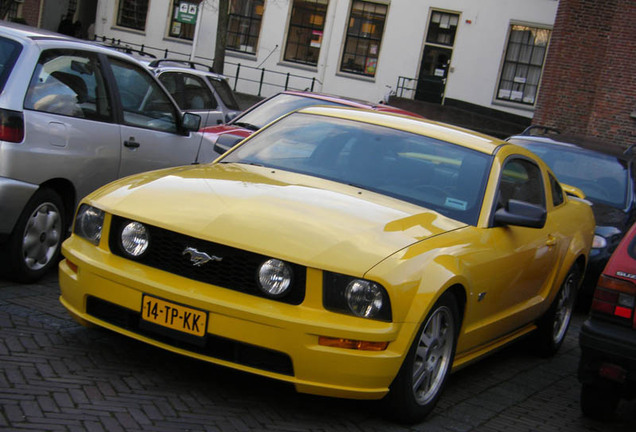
x=74, y=116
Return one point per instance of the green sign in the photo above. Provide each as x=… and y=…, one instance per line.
x=187, y=13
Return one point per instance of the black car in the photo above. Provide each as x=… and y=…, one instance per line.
x=605, y=174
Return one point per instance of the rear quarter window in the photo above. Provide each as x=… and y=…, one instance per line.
x=9, y=52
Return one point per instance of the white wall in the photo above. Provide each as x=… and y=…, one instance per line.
x=475, y=64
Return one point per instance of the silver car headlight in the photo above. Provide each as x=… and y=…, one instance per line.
x=274, y=278
x=89, y=223
x=134, y=239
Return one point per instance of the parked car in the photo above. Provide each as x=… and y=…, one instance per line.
x=607, y=368
x=224, y=137
x=197, y=89
x=605, y=174
x=74, y=116
x=389, y=246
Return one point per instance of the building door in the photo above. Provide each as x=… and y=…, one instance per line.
x=436, y=58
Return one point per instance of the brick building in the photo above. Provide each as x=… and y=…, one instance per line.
x=589, y=83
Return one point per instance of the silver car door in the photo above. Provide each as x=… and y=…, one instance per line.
x=151, y=135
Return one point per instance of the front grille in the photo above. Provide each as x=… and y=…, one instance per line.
x=209, y=345
x=236, y=271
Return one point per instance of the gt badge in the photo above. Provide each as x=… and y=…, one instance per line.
x=199, y=258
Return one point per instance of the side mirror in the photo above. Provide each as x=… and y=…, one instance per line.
x=521, y=213
x=191, y=122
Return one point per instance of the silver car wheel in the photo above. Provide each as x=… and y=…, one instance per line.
x=564, y=307
x=42, y=236
x=433, y=355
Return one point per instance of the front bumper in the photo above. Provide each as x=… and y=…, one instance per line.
x=604, y=343
x=244, y=332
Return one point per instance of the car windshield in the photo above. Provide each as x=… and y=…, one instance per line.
x=9, y=51
x=275, y=107
x=435, y=174
x=603, y=178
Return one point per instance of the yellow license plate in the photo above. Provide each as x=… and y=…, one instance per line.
x=174, y=316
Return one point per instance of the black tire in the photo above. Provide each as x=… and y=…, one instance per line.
x=554, y=324
x=34, y=246
x=598, y=403
x=422, y=377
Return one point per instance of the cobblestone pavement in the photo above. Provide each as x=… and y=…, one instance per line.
x=58, y=376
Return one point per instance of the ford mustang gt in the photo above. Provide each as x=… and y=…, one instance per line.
x=351, y=253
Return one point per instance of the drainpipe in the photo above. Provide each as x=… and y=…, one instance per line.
x=197, y=26
x=326, y=42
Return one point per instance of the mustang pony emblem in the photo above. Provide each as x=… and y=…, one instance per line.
x=199, y=258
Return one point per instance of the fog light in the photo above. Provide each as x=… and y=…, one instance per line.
x=134, y=239
x=274, y=278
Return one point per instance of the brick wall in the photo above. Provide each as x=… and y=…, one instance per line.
x=31, y=12
x=589, y=83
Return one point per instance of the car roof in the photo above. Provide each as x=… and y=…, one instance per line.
x=32, y=36
x=577, y=143
x=467, y=138
x=184, y=65
x=332, y=98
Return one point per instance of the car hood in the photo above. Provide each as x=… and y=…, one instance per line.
x=215, y=131
x=298, y=218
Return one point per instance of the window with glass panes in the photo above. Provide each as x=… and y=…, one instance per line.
x=306, y=27
x=523, y=64
x=364, y=36
x=132, y=14
x=244, y=25
x=179, y=28
x=442, y=28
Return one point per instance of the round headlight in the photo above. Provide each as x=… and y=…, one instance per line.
x=274, y=278
x=365, y=298
x=89, y=222
x=134, y=239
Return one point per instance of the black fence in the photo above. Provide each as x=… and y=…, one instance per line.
x=245, y=78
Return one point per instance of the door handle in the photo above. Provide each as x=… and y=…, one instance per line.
x=551, y=241
x=131, y=143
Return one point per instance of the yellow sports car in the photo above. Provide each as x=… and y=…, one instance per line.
x=349, y=252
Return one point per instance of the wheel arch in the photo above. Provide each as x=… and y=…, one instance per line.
x=67, y=193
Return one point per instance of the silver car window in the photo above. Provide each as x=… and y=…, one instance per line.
x=69, y=83
x=189, y=91
x=144, y=102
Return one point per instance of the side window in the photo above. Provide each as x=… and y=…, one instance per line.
x=521, y=180
x=189, y=91
x=557, y=191
x=225, y=92
x=69, y=83
x=144, y=102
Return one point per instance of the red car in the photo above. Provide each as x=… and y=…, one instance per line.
x=224, y=137
x=607, y=369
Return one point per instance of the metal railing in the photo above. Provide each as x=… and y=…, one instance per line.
x=406, y=87
x=247, y=79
